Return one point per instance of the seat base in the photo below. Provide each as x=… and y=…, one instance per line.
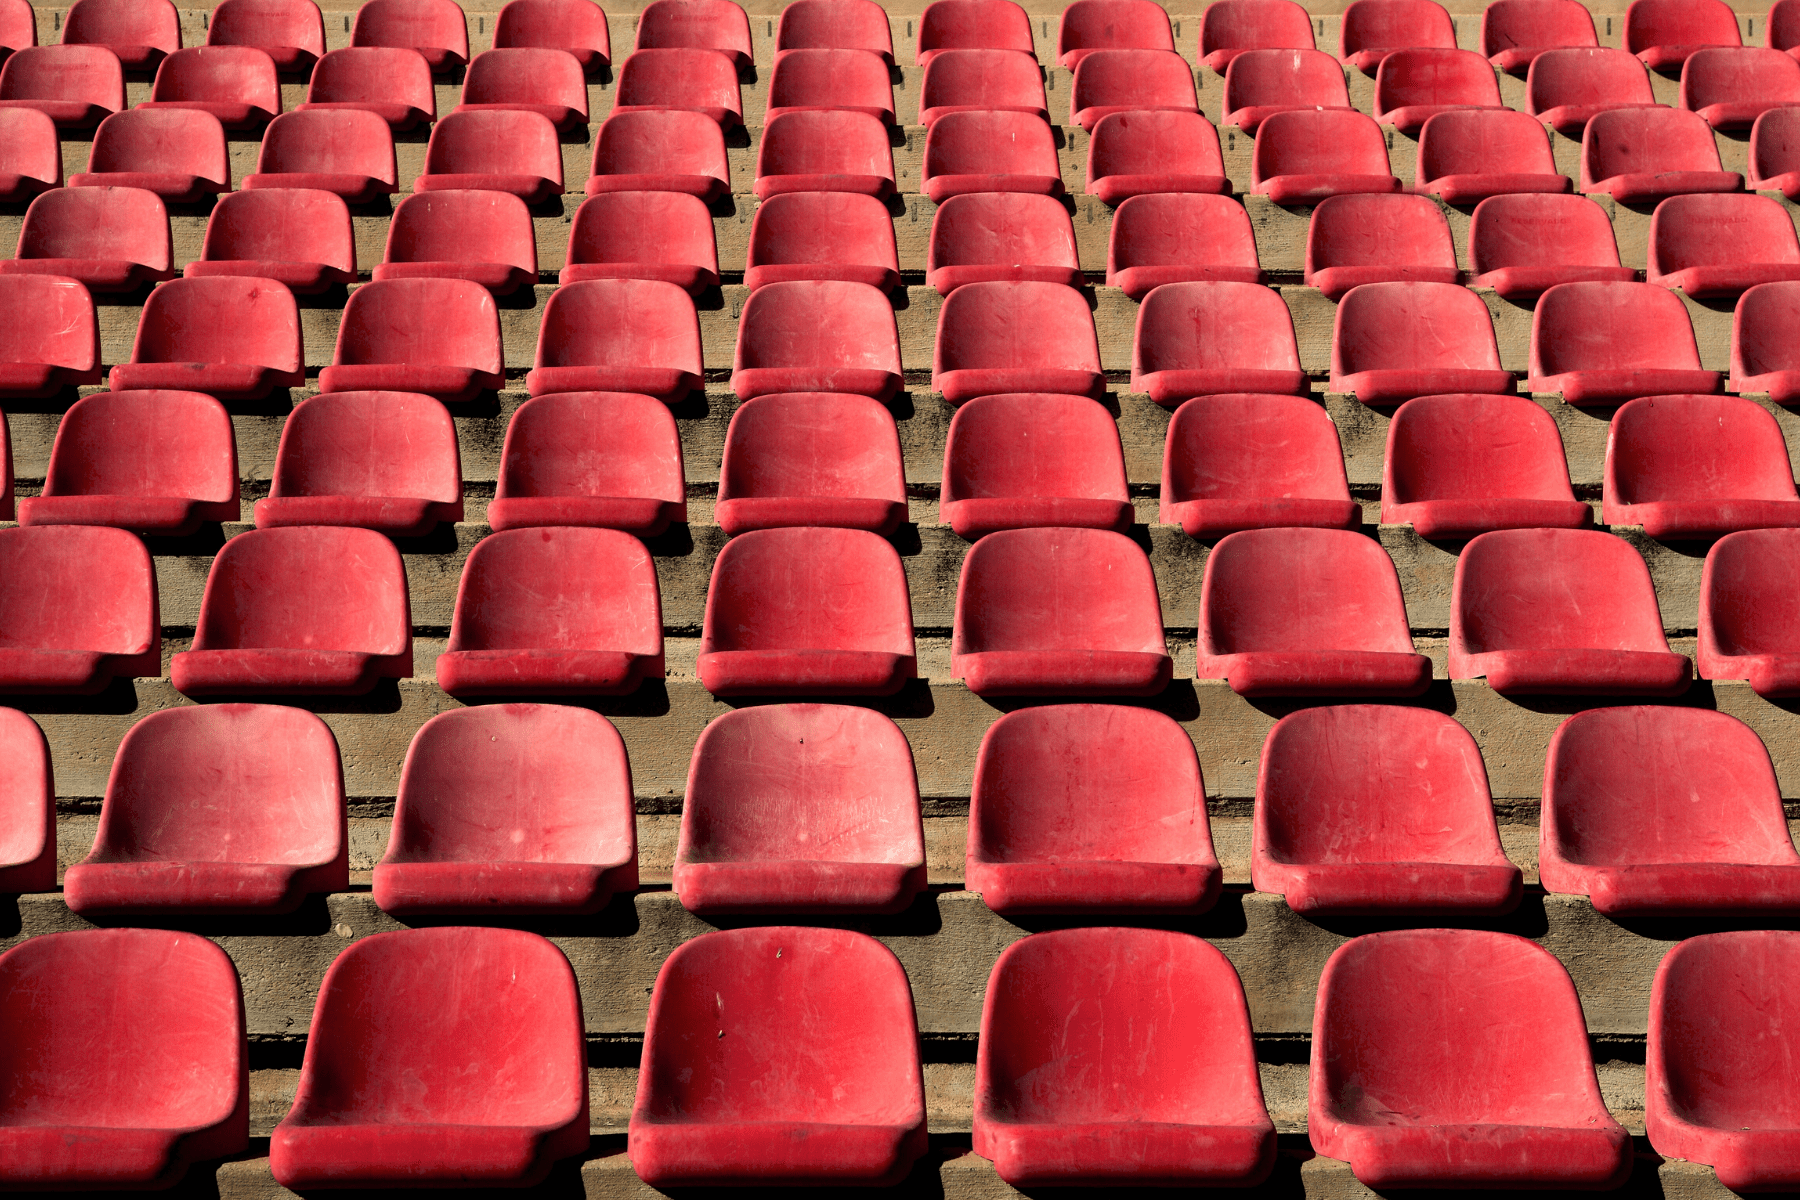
x=395, y=1155
x=396, y=516
x=1648, y=188
x=948, y=278
x=797, y=886
x=1114, y=190
x=1215, y=518
x=642, y=515
x=742, y=514
x=502, y=279
x=941, y=187
x=1063, y=672
x=222, y=381
x=805, y=672
x=1578, y=672
x=667, y=384
x=301, y=278
x=1455, y=519
x=1473, y=189
x=173, y=187
x=878, y=186
x=1170, y=388
x=210, y=888
x=353, y=189
x=690, y=278
x=1726, y=279
x=1319, y=672
x=1395, y=385
x=1522, y=283
x=1127, y=1153
x=1075, y=886
x=707, y=187
x=1684, y=889
x=983, y=515
x=167, y=516
x=1335, y=281
x=1138, y=282
x=1307, y=190
x=99, y=274
x=883, y=277
x=1618, y=386
x=534, y=672
x=1485, y=1156
x=400, y=117
x=772, y=1153
x=502, y=888
x=1396, y=888
x=71, y=672
x=532, y=189
x=261, y=671
x=959, y=386
x=750, y=382
x=1676, y=519
x=447, y=383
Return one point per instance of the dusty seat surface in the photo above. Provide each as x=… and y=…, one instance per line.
x=1021, y=460
x=1373, y=29
x=1150, y=153
x=55, y=342
x=236, y=84
x=590, y=458
x=685, y=78
x=180, y=154
x=290, y=32
x=1665, y=33
x=1261, y=83
x=660, y=152
x=112, y=239
x=1353, y=240
x=140, y=32
x=484, y=237
x=1213, y=338
x=390, y=82
x=1414, y=84
x=976, y=80
x=27, y=806
x=847, y=236
x=1247, y=461
x=1763, y=326
x=548, y=82
x=1721, y=245
x=494, y=150
x=856, y=79
x=1179, y=238
x=576, y=28
x=979, y=24
x=1232, y=28
x=1603, y=343
x=705, y=24
x=235, y=337
x=1112, y=81
x=1697, y=467
x=1566, y=88
x=75, y=86
x=1514, y=33
x=813, y=459
x=30, y=155
x=349, y=152
x=985, y=346
x=990, y=152
x=1001, y=236
x=1394, y=341
x=825, y=150
x=1301, y=157
x=1467, y=155
x=297, y=236
x=665, y=236
x=1523, y=244
x=77, y=607
x=439, y=337
x=1748, y=609
x=618, y=335
x=817, y=335
x=1638, y=155
x=436, y=29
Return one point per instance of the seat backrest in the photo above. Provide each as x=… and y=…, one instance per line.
x=838, y=228
x=620, y=322
x=546, y=783
x=1378, y=229
x=1721, y=1048
x=1026, y=445
x=1246, y=25
x=680, y=76
x=1553, y=589
x=443, y=322
x=1177, y=229
x=592, y=444
x=391, y=74
x=128, y=224
x=149, y=443
x=835, y=25
x=29, y=146
x=1696, y=448
x=1750, y=593
x=558, y=589
x=1442, y=448
x=1435, y=75
x=818, y=323
x=232, y=73
x=281, y=225
x=1007, y=324
x=310, y=587
x=525, y=75
x=412, y=24
x=369, y=444
x=703, y=24
x=53, y=322
x=988, y=143
x=1303, y=77
x=1765, y=331
x=1237, y=446
x=329, y=142
x=978, y=24
x=830, y=142
x=1784, y=25
x=1744, y=74
x=1089, y=25
x=173, y=140
x=650, y=227
x=77, y=587
x=553, y=25
x=1537, y=229
x=1535, y=24
x=808, y=589
x=831, y=78
x=1301, y=590
x=1386, y=325
x=1138, y=79
x=1001, y=227
x=463, y=226
x=1052, y=589
x=645, y=143
x=1611, y=326
x=1305, y=142
x=90, y=74
x=812, y=444
x=1596, y=75
x=27, y=793
x=1394, y=25
x=1774, y=146
x=18, y=24
x=1189, y=326
x=982, y=79
x=1626, y=141
x=1157, y=142
x=495, y=142
x=1720, y=228
x=153, y=23
x=268, y=23
x=1679, y=23
x=1484, y=142
x=220, y=319
x=247, y=783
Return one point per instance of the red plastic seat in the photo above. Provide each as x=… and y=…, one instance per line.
x=290, y=32
x=348, y=152
x=1467, y=156
x=989, y=152
x=981, y=80
x=1716, y=1064
x=1212, y=338
x=234, y=337
x=28, y=802
x=702, y=24
x=807, y=612
x=6, y=472
x=436, y=29
x=1721, y=245
x=554, y=612
x=1301, y=157
x=1179, y=238
x=1414, y=85
x=393, y=82
x=494, y=150
x=982, y=237
x=1697, y=467
x=1090, y=25
x=1764, y=342
x=547, y=82
x=590, y=458
x=823, y=235
x=53, y=340
x=436, y=336
x=1306, y=612
x=30, y=154
x=1112, y=81
x=1664, y=33
x=1749, y=609
x=177, y=153
x=1245, y=461
x=1089, y=809
x=1565, y=89
x=1730, y=88
x=831, y=78
x=312, y=611
x=1523, y=244
x=153, y=462
x=1665, y=812
x=1636, y=155
x=1394, y=341
x=483, y=237
x=811, y=458
x=1119, y=1058
x=666, y=236
x=513, y=809
x=1441, y=474
x=800, y=808
x=1374, y=238
x=1604, y=343
x=140, y=32
x=75, y=86
x=215, y=810
x=661, y=152
x=438, y=1058
x=1560, y=612
x=1230, y=28
x=1021, y=461
x=835, y=25
x=1058, y=612
x=576, y=27
x=1515, y=32
x=1015, y=337
x=236, y=84
x=1136, y=154
x=1261, y=83
x=77, y=608
x=618, y=335
x=297, y=236
x=815, y=1079
x=111, y=239
x=1378, y=810
x=166, y=1087
x=1775, y=152
x=18, y=26
x=385, y=461
x=825, y=150
x=1371, y=30
x=818, y=335
x=1458, y=1058
x=974, y=25
x=681, y=78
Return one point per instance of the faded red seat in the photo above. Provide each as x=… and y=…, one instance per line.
x=1514, y=33
x=825, y=150
x=590, y=458
x=1261, y=83
x=618, y=335
x=814, y=459
x=681, y=78
x=1637, y=155
x=53, y=340
x=309, y=611
x=1370, y=30
x=986, y=236
x=30, y=154
x=436, y=336
x=981, y=80
x=290, y=32
x=643, y=235
x=1210, y=338
x=1091, y=25
x=1697, y=467
x=1415, y=84
x=1783, y=29
x=575, y=27
x=77, y=608
x=18, y=26
x=1560, y=612
x=820, y=335
x=1089, y=809
x=111, y=239
x=1565, y=89
x=28, y=806
x=236, y=337
x=393, y=82
x=1231, y=28
x=832, y=78
x=1241, y=461
x=1467, y=156
x=6, y=473
x=1765, y=341
x=297, y=236
x=494, y=150
x=1394, y=341
x=1442, y=477
x=1374, y=238
x=1301, y=156
x=385, y=461
x=1749, y=610
x=1775, y=152
x=1664, y=33
x=1135, y=154
x=1665, y=812
x=823, y=235
x=236, y=84
x=554, y=612
x=1015, y=337
x=1114, y=81
x=547, y=82
x=1603, y=343
x=1179, y=238
x=835, y=25
x=1730, y=88
x=1020, y=461
x=75, y=86
x=140, y=32
x=216, y=810
x=1523, y=244
x=177, y=153
x=512, y=809
x=660, y=152
x=436, y=29
x=807, y=612
x=703, y=24
x=1721, y=245
x=348, y=152
x=989, y=152
x=483, y=237
x=151, y=462
x=800, y=808
x=972, y=24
